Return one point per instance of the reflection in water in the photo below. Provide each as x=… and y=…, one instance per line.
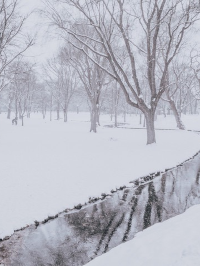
x=76, y=237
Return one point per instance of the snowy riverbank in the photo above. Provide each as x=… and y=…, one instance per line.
x=175, y=242
x=47, y=167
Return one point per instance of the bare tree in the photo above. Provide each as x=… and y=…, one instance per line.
x=116, y=98
x=93, y=80
x=195, y=66
x=43, y=100
x=176, y=85
x=23, y=86
x=139, y=31
x=13, y=42
x=10, y=101
x=62, y=81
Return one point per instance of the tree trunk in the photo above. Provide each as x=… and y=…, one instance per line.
x=116, y=122
x=111, y=116
x=164, y=112
x=144, y=122
x=116, y=110
x=20, y=112
x=9, y=107
x=111, y=109
x=116, y=103
x=176, y=115
x=16, y=108
x=155, y=116
x=195, y=107
x=93, y=119
x=98, y=114
x=9, y=112
x=124, y=116
x=58, y=112
x=29, y=108
x=151, y=136
x=22, y=117
x=65, y=115
x=175, y=112
x=43, y=114
x=51, y=105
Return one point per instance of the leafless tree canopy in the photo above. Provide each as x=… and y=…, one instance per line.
x=137, y=39
x=13, y=42
x=117, y=55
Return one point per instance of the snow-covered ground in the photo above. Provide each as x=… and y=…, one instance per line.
x=175, y=242
x=47, y=167
x=191, y=122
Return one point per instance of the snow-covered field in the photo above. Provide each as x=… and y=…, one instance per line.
x=175, y=242
x=47, y=167
x=191, y=122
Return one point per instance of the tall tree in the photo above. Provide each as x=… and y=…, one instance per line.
x=62, y=81
x=23, y=87
x=12, y=42
x=148, y=33
x=93, y=80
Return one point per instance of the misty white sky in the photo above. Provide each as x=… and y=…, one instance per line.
x=46, y=42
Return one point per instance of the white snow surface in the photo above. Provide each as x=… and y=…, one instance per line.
x=175, y=242
x=47, y=167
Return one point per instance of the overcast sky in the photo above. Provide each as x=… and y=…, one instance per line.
x=46, y=43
